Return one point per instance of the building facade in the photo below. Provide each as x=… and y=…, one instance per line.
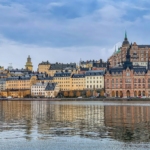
x=128, y=80
x=94, y=79
x=139, y=54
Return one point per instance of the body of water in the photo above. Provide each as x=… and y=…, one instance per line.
x=44, y=125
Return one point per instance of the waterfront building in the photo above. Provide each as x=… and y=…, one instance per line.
x=139, y=54
x=23, y=82
x=29, y=65
x=38, y=89
x=45, y=79
x=77, y=82
x=16, y=93
x=94, y=79
x=63, y=79
x=128, y=80
x=52, y=90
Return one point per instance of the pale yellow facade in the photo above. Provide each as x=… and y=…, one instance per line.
x=77, y=84
x=63, y=82
x=43, y=68
x=21, y=84
x=94, y=82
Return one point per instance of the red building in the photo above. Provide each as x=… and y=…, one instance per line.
x=128, y=80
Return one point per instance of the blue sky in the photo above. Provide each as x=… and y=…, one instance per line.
x=67, y=30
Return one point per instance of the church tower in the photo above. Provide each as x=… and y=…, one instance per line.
x=125, y=42
x=29, y=65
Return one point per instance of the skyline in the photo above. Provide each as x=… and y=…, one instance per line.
x=84, y=29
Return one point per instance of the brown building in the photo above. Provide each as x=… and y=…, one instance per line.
x=139, y=54
x=128, y=80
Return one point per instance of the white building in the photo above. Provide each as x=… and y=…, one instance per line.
x=94, y=79
x=45, y=89
x=38, y=89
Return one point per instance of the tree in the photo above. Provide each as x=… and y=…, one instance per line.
x=78, y=93
x=102, y=93
x=66, y=94
x=88, y=93
x=71, y=94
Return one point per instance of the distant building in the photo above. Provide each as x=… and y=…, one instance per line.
x=51, y=69
x=139, y=54
x=2, y=84
x=29, y=65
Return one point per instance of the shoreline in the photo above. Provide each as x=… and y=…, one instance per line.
x=75, y=99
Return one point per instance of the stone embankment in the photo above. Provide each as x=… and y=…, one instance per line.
x=75, y=99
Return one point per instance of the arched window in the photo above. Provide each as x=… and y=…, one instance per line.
x=135, y=80
x=139, y=80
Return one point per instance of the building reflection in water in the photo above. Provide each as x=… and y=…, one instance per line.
x=41, y=119
x=128, y=123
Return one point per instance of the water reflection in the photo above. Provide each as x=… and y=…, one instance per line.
x=44, y=120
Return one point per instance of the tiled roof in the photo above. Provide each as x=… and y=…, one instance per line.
x=59, y=66
x=78, y=76
x=18, y=78
x=62, y=74
x=45, y=78
x=139, y=69
x=94, y=73
x=50, y=86
x=84, y=69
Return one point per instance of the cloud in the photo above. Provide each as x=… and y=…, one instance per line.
x=17, y=53
x=81, y=28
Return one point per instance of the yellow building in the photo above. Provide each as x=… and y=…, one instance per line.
x=1, y=68
x=16, y=93
x=63, y=79
x=44, y=67
x=77, y=82
x=51, y=69
x=20, y=82
x=29, y=65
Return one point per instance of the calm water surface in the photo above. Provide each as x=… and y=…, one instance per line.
x=74, y=125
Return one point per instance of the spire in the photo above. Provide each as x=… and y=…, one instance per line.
x=125, y=35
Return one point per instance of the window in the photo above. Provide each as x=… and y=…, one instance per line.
x=128, y=74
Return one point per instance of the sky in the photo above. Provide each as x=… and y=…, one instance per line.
x=69, y=30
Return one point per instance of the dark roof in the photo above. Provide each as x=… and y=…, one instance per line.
x=78, y=76
x=94, y=73
x=139, y=69
x=18, y=78
x=50, y=86
x=44, y=63
x=62, y=74
x=45, y=78
x=84, y=69
x=20, y=70
x=143, y=46
x=59, y=66
x=3, y=74
x=116, y=70
x=101, y=64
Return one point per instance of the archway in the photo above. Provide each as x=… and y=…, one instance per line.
x=113, y=94
x=135, y=93
x=139, y=94
x=143, y=93
x=121, y=94
x=128, y=93
x=117, y=94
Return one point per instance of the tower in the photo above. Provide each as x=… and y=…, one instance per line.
x=29, y=65
x=125, y=42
